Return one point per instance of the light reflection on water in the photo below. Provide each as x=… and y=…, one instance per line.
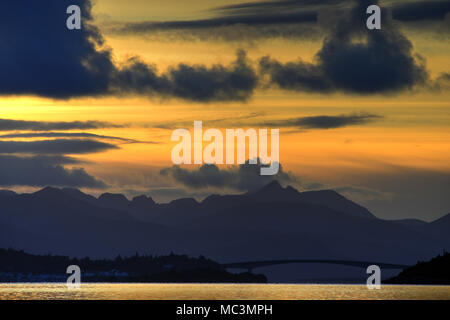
x=106, y=291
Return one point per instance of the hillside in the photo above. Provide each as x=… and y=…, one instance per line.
x=435, y=271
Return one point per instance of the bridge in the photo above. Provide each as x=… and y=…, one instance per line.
x=250, y=265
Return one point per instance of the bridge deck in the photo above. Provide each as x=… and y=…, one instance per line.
x=259, y=264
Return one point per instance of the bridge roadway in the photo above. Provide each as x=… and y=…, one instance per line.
x=250, y=265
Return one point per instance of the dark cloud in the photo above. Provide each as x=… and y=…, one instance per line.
x=40, y=56
x=288, y=18
x=12, y=125
x=43, y=171
x=231, y=24
x=411, y=10
x=198, y=83
x=65, y=135
x=249, y=34
x=58, y=146
x=269, y=19
x=277, y=6
x=298, y=76
x=325, y=121
x=49, y=159
x=355, y=60
x=243, y=177
x=243, y=22
x=421, y=10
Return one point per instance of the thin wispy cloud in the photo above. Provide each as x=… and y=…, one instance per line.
x=70, y=135
x=57, y=146
x=24, y=125
x=325, y=121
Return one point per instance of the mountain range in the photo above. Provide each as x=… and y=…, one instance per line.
x=271, y=223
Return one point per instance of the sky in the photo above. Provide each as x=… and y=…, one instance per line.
x=366, y=113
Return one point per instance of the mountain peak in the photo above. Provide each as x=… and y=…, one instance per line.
x=114, y=201
x=273, y=191
x=143, y=200
x=48, y=191
x=272, y=187
x=113, y=196
x=79, y=195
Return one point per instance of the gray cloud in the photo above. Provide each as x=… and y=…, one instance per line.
x=11, y=125
x=43, y=171
x=325, y=121
x=58, y=146
x=243, y=177
x=65, y=135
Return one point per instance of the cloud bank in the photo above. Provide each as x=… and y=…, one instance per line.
x=245, y=177
x=42, y=171
x=190, y=82
x=40, y=56
x=354, y=59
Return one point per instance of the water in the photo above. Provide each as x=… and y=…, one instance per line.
x=121, y=291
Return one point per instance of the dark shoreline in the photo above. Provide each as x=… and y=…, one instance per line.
x=433, y=272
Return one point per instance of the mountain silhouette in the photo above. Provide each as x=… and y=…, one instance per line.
x=270, y=223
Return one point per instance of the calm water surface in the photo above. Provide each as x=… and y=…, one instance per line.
x=219, y=291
